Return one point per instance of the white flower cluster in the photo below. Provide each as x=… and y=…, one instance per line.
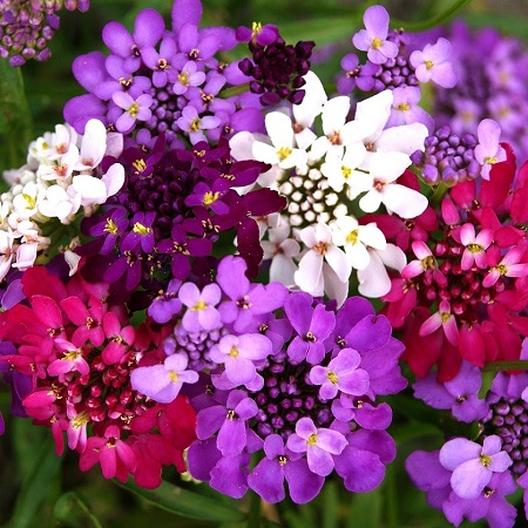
x=61, y=176
x=352, y=165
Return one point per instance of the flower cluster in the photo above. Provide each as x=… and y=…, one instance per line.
x=291, y=380
x=62, y=175
x=392, y=64
x=26, y=27
x=472, y=479
x=468, y=267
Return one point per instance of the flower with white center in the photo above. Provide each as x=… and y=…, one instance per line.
x=374, y=280
x=282, y=250
x=324, y=266
x=356, y=239
x=343, y=171
x=282, y=151
x=385, y=169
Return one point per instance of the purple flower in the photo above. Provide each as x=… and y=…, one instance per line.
x=194, y=125
x=373, y=39
x=188, y=77
x=319, y=444
x=162, y=383
x=166, y=305
x=405, y=109
x=238, y=354
x=488, y=152
x=280, y=464
x=134, y=109
x=201, y=313
x=142, y=233
x=229, y=421
x=161, y=62
x=473, y=464
x=108, y=227
x=342, y=374
x=434, y=63
x=313, y=326
x=460, y=394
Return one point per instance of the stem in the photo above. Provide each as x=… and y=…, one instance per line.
x=435, y=20
x=438, y=193
x=254, y=512
x=235, y=90
x=497, y=366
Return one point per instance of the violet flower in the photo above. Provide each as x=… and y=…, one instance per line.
x=434, y=63
x=201, y=313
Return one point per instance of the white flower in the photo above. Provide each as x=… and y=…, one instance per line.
x=374, y=281
x=304, y=114
x=6, y=252
x=323, y=263
x=342, y=171
x=282, y=151
x=25, y=203
x=356, y=239
x=93, y=145
x=385, y=169
x=59, y=168
x=282, y=250
x=26, y=255
x=59, y=203
x=95, y=191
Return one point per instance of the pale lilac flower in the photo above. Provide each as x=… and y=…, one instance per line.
x=188, y=77
x=373, y=39
x=238, y=354
x=319, y=444
x=473, y=464
x=434, y=63
x=342, y=374
x=406, y=110
x=134, y=109
x=191, y=122
x=476, y=246
x=201, y=311
x=162, y=383
x=488, y=152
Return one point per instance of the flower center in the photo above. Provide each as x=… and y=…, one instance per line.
x=163, y=64
x=210, y=198
x=353, y=237
x=140, y=165
x=312, y=439
x=444, y=316
x=283, y=460
x=485, y=460
x=80, y=420
x=141, y=229
x=71, y=355
x=133, y=109
x=475, y=248
x=403, y=107
x=284, y=152
x=110, y=227
x=195, y=125
x=173, y=376
x=428, y=262
x=346, y=172
x=490, y=160
x=200, y=306
x=376, y=43
x=332, y=377
x=321, y=248
x=502, y=269
x=30, y=200
x=310, y=337
x=183, y=77
x=234, y=352
x=429, y=64
x=256, y=28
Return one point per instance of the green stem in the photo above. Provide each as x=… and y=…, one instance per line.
x=438, y=193
x=254, y=512
x=435, y=20
x=498, y=366
x=235, y=90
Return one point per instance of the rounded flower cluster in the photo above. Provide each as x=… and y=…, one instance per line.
x=26, y=27
x=62, y=176
x=158, y=80
x=289, y=380
x=471, y=268
x=79, y=353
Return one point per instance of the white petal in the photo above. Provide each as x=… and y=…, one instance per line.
x=374, y=113
x=335, y=113
x=319, y=148
x=279, y=128
x=305, y=138
x=93, y=146
x=403, y=201
x=282, y=269
x=370, y=202
x=309, y=276
x=372, y=236
x=358, y=256
x=308, y=236
x=312, y=104
x=393, y=257
x=241, y=145
x=339, y=262
x=335, y=288
x=405, y=138
x=114, y=179
x=92, y=190
x=114, y=144
x=374, y=280
x=388, y=166
x=265, y=153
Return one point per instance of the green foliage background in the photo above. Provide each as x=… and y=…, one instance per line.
x=38, y=490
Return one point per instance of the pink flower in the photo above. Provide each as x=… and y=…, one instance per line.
x=509, y=266
x=71, y=360
x=443, y=318
x=120, y=336
x=476, y=246
x=88, y=320
x=425, y=260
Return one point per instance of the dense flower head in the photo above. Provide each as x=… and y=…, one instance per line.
x=277, y=69
x=462, y=294
x=79, y=353
x=287, y=377
x=26, y=27
x=471, y=479
x=160, y=80
x=355, y=164
x=491, y=71
x=62, y=178
x=170, y=212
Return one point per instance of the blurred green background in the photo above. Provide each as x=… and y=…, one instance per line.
x=38, y=490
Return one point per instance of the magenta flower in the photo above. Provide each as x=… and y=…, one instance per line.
x=238, y=353
x=424, y=260
x=87, y=319
x=280, y=464
x=162, y=383
x=433, y=63
x=476, y=246
x=201, y=313
x=230, y=422
x=473, y=464
x=112, y=453
x=488, y=152
x=342, y=374
x=120, y=338
x=319, y=444
x=509, y=266
x=134, y=110
x=72, y=360
x=373, y=39
x=188, y=77
x=313, y=326
x=442, y=318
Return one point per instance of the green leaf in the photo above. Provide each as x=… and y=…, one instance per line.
x=15, y=118
x=330, y=505
x=25, y=437
x=435, y=20
x=73, y=512
x=366, y=510
x=186, y=503
x=36, y=487
x=323, y=30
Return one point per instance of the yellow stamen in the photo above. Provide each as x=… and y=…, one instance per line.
x=234, y=352
x=200, y=306
x=210, y=198
x=30, y=200
x=71, y=355
x=332, y=377
x=110, y=227
x=284, y=152
x=429, y=64
x=140, y=165
x=195, y=125
x=490, y=160
x=346, y=172
x=404, y=107
x=312, y=439
x=173, y=376
x=183, y=78
x=141, y=229
x=133, y=109
x=475, y=248
x=376, y=43
x=80, y=420
x=485, y=460
x=352, y=237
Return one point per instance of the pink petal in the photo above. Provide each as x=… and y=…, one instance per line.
x=467, y=234
x=431, y=324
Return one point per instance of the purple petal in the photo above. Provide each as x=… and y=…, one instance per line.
x=362, y=471
x=186, y=11
x=118, y=39
x=376, y=20
x=331, y=441
x=229, y=476
x=304, y=485
x=148, y=28
x=89, y=70
x=209, y=421
x=202, y=458
x=458, y=451
x=267, y=479
x=305, y=427
x=470, y=478
x=319, y=461
x=232, y=437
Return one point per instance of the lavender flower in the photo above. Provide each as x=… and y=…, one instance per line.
x=201, y=313
x=434, y=63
